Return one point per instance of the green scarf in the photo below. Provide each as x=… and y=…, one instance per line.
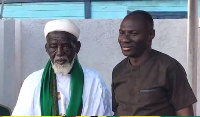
x=48, y=93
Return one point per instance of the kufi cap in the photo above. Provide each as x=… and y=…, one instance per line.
x=62, y=25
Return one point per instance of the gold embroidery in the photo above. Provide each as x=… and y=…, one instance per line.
x=59, y=96
x=62, y=114
x=55, y=96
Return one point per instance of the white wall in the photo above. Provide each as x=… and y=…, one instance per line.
x=198, y=76
x=7, y=62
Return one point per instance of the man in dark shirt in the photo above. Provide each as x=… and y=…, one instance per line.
x=148, y=82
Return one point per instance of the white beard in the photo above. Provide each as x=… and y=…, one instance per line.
x=63, y=69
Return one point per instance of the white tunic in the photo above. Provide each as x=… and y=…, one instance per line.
x=96, y=97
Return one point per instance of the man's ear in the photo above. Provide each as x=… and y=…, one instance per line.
x=46, y=48
x=78, y=46
x=151, y=35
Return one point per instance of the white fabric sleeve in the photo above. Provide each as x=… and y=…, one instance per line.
x=106, y=99
x=24, y=105
x=99, y=103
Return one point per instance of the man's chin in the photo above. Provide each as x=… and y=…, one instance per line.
x=132, y=55
x=63, y=69
x=125, y=53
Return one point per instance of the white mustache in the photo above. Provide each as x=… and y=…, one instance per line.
x=61, y=58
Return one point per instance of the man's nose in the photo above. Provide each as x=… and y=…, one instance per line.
x=125, y=38
x=60, y=51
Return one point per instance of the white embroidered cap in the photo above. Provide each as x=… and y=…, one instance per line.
x=62, y=25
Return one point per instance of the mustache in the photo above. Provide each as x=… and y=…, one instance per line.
x=132, y=44
x=61, y=58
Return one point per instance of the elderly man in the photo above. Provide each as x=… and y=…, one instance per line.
x=63, y=87
x=148, y=82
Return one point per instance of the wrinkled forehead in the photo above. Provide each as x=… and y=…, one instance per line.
x=61, y=35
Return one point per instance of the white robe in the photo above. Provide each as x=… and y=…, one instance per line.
x=96, y=97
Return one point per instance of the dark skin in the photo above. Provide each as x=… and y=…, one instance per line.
x=135, y=38
x=61, y=43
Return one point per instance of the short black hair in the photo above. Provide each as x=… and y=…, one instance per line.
x=145, y=15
